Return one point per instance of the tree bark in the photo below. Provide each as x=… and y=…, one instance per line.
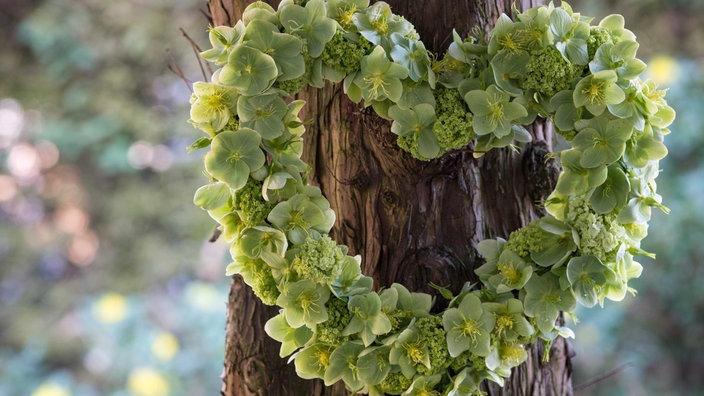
x=412, y=222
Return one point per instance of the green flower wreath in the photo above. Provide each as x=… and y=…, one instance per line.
x=550, y=62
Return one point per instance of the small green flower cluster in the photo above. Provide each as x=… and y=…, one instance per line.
x=549, y=62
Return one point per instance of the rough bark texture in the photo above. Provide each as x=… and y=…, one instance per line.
x=412, y=222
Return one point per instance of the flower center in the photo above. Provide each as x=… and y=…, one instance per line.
x=376, y=83
x=414, y=353
x=345, y=17
x=470, y=329
x=511, y=353
x=594, y=92
x=504, y=322
x=323, y=356
x=509, y=272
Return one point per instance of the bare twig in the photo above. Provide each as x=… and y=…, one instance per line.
x=602, y=376
x=197, y=51
x=176, y=69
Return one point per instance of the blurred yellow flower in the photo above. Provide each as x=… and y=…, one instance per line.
x=204, y=297
x=51, y=389
x=145, y=381
x=165, y=346
x=111, y=308
x=663, y=69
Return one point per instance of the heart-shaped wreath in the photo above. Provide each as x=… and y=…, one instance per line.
x=549, y=63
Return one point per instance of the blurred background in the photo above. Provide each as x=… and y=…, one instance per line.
x=107, y=283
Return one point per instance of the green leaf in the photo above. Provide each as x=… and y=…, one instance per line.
x=199, y=144
x=211, y=196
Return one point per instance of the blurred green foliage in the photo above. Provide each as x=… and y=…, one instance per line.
x=95, y=183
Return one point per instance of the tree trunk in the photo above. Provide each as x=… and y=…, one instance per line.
x=412, y=222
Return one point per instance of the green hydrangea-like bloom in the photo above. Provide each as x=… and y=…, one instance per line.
x=343, y=54
x=433, y=335
x=319, y=260
x=250, y=205
x=597, y=36
x=257, y=274
x=394, y=384
x=453, y=126
x=599, y=235
x=526, y=240
x=330, y=331
x=548, y=72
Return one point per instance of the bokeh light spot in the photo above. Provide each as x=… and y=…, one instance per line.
x=165, y=346
x=111, y=308
x=663, y=69
x=145, y=381
x=140, y=154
